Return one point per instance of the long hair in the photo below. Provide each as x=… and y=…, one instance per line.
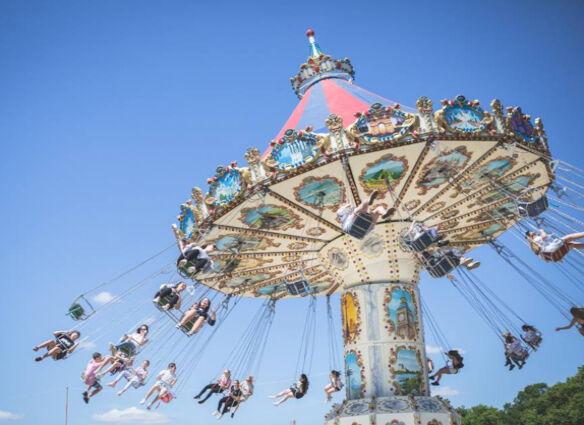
x=577, y=312
x=205, y=309
x=303, y=383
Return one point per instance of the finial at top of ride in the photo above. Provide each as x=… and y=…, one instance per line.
x=319, y=66
x=314, y=47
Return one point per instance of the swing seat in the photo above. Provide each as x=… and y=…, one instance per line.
x=188, y=326
x=166, y=397
x=80, y=309
x=556, y=255
x=300, y=287
x=421, y=243
x=533, y=209
x=77, y=312
x=443, y=266
x=362, y=225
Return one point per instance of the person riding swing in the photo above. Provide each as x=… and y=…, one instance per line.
x=577, y=319
x=452, y=366
x=515, y=352
x=63, y=344
x=550, y=247
x=359, y=221
x=198, y=257
x=297, y=390
x=334, y=385
x=168, y=296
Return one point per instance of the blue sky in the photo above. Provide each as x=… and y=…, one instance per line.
x=112, y=110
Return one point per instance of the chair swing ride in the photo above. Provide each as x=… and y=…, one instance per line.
x=448, y=180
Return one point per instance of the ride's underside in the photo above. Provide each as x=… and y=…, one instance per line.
x=466, y=187
x=461, y=168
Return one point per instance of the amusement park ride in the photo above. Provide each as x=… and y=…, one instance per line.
x=274, y=224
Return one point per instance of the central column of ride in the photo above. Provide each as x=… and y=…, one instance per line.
x=383, y=340
x=386, y=376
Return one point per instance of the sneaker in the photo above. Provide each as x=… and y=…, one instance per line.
x=473, y=265
x=435, y=383
x=388, y=213
x=512, y=367
x=464, y=261
x=192, y=270
x=216, y=413
x=35, y=349
x=143, y=401
x=86, y=397
x=442, y=242
x=201, y=401
x=38, y=359
x=197, y=396
x=373, y=196
x=120, y=392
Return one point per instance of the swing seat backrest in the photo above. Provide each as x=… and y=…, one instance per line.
x=77, y=312
x=300, y=287
x=442, y=267
x=556, y=255
x=361, y=226
x=421, y=243
x=533, y=209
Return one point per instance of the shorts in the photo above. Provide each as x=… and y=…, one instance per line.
x=452, y=370
x=60, y=356
x=93, y=382
x=552, y=246
x=163, y=385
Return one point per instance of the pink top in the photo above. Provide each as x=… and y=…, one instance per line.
x=224, y=381
x=90, y=370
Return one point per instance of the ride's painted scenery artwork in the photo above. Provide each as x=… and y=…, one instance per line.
x=387, y=170
x=350, y=317
x=353, y=372
x=269, y=217
x=401, y=313
x=442, y=168
x=226, y=187
x=408, y=372
x=321, y=193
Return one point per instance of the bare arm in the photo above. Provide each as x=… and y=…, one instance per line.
x=572, y=323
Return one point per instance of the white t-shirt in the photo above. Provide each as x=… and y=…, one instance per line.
x=246, y=390
x=548, y=243
x=166, y=377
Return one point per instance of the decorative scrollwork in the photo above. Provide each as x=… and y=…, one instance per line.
x=294, y=149
x=382, y=124
x=463, y=117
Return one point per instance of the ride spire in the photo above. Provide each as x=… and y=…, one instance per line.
x=319, y=66
x=314, y=47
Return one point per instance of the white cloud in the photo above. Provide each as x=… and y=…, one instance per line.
x=445, y=391
x=103, y=297
x=7, y=416
x=131, y=415
x=432, y=349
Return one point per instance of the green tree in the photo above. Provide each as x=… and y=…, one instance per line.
x=537, y=404
x=481, y=415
